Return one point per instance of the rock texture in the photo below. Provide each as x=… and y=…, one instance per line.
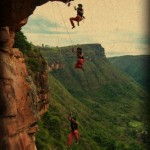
x=15, y=13
x=56, y=66
x=16, y=115
x=22, y=101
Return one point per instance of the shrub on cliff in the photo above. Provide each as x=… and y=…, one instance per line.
x=21, y=42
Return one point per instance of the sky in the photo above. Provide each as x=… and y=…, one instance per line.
x=118, y=25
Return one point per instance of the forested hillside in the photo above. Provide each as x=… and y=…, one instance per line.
x=108, y=104
x=135, y=66
x=114, y=101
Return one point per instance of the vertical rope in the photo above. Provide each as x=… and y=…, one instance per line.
x=56, y=28
x=65, y=25
x=55, y=24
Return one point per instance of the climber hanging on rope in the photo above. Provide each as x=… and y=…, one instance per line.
x=80, y=57
x=74, y=130
x=79, y=16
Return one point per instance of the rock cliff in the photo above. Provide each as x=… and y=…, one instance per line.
x=22, y=101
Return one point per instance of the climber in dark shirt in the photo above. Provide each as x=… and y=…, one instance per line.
x=80, y=60
x=79, y=16
x=74, y=130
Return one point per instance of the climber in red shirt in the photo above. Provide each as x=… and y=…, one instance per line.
x=74, y=130
x=80, y=57
x=79, y=16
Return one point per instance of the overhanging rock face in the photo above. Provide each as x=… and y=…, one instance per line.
x=14, y=13
x=21, y=101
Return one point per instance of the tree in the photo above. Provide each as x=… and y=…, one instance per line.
x=21, y=42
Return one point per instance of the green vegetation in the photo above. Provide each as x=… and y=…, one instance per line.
x=34, y=59
x=135, y=66
x=108, y=104
x=21, y=42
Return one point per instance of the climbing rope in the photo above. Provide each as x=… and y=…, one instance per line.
x=56, y=28
x=65, y=26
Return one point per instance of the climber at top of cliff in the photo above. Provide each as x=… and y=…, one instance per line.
x=79, y=16
x=80, y=60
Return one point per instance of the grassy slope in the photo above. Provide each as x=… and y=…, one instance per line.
x=107, y=101
x=135, y=66
x=56, y=124
x=101, y=125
